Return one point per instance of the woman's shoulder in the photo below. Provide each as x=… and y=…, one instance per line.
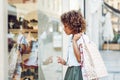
x=85, y=37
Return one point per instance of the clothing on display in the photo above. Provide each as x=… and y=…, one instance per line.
x=33, y=59
x=21, y=39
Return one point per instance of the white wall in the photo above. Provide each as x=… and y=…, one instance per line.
x=74, y=4
x=81, y=6
x=65, y=8
x=93, y=20
x=3, y=41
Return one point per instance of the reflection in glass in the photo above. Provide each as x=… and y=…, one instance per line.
x=22, y=40
x=50, y=42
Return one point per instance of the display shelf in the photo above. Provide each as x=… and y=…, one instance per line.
x=15, y=31
x=111, y=46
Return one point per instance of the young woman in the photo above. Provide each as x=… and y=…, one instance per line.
x=74, y=25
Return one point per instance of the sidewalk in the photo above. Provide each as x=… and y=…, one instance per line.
x=112, y=62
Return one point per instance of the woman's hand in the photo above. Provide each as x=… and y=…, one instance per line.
x=77, y=36
x=61, y=61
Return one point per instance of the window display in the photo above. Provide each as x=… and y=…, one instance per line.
x=22, y=42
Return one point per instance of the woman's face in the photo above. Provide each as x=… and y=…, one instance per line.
x=67, y=30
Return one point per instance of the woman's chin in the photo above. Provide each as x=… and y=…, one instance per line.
x=68, y=33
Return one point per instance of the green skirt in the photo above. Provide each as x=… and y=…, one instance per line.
x=73, y=73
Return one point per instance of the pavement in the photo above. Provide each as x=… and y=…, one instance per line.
x=112, y=62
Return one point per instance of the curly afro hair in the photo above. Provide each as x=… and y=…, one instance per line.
x=74, y=20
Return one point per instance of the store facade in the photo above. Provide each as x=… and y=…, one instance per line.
x=52, y=23
x=50, y=34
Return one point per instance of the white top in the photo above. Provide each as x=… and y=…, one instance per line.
x=71, y=59
x=21, y=39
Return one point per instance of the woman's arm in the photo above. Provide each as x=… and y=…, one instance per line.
x=75, y=46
